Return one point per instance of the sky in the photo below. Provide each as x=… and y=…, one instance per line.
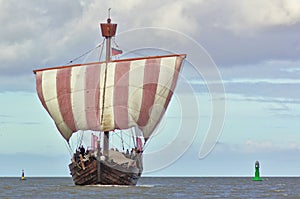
x=237, y=99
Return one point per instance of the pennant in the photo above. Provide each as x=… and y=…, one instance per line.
x=115, y=51
x=139, y=143
x=94, y=142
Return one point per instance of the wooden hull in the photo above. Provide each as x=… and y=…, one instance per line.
x=104, y=173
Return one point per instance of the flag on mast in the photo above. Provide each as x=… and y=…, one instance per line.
x=139, y=142
x=115, y=51
x=94, y=142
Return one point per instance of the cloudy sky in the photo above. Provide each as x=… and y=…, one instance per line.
x=249, y=48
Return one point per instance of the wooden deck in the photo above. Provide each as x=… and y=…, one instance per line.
x=110, y=173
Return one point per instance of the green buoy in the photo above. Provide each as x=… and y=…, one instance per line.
x=257, y=177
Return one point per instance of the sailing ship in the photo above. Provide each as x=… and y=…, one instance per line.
x=108, y=97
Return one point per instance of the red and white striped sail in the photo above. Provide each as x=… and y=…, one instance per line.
x=106, y=96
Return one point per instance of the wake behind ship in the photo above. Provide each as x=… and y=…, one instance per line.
x=109, y=98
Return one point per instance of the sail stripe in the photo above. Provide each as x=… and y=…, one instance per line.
x=151, y=75
x=101, y=96
x=178, y=64
x=39, y=89
x=171, y=86
x=167, y=67
x=107, y=123
x=135, y=91
x=92, y=96
x=51, y=101
x=77, y=94
x=121, y=95
x=63, y=85
x=174, y=69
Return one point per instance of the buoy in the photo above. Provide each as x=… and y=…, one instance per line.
x=23, y=177
x=257, y=177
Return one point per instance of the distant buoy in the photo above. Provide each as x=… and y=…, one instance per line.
x=23, y=176
x=257, y=177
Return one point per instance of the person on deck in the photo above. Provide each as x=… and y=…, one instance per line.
x=127, y=154
x=82, y=150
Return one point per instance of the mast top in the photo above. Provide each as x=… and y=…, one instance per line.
x=108, y=18
x=108, y=29
x=109, y=13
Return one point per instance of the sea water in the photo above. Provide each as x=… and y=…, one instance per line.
x=154, y=187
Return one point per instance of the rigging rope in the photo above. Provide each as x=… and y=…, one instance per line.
x=122, y=140
x=69, y=148
x=81, y=138
x=101, y=50
x=87, y=52
x=114, y=40
x=133, y=137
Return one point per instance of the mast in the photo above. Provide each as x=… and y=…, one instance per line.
x=108, y=31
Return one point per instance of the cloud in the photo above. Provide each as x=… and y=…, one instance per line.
x=5, y=116
x=266, y=146
x=257, y=90
x=255, y=145
x=48, y=33
x=243, y=17
x=176, y=15
x=258, y=146
x=249, y=81
x=236, y=97
x=269, y=81
x=278, y=107
x=34, y=34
